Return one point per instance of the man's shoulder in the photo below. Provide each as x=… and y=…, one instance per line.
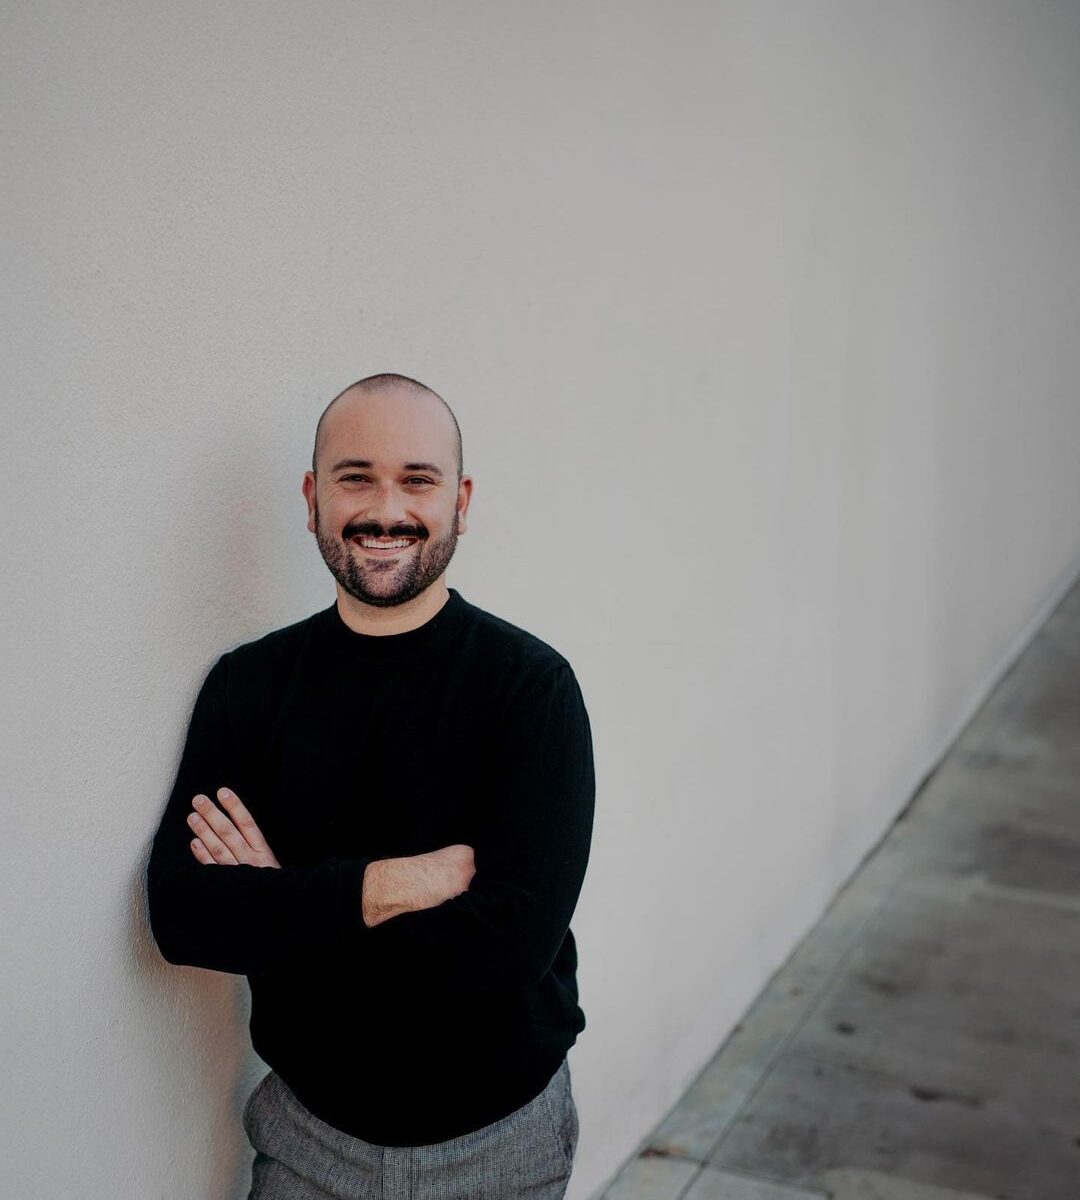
x=513, y=646
x=271, y=651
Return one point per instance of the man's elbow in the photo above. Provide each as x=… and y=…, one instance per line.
x=172, y=945
x=163, y=903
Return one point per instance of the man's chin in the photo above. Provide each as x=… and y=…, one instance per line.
x=379, y=599
x=382, y=601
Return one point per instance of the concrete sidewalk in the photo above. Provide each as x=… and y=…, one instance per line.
x=923, y=1041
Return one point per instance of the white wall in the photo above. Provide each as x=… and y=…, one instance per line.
x=760, y=322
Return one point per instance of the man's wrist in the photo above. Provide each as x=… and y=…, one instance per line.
x=392, y=886
x=374, y=903
x=399, y=885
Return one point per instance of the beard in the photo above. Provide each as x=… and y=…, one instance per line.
x=385, y=582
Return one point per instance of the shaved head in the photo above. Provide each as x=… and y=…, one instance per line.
x=386, y=382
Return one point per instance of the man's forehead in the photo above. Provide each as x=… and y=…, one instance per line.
x=389, y=443
x=389, y=411
x=390, y=447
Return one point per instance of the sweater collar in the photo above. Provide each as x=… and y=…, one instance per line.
x=427, y=639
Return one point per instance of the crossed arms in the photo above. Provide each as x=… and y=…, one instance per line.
x=391, y=885
x=493, y=914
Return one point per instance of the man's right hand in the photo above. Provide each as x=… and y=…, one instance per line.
x=397, y=885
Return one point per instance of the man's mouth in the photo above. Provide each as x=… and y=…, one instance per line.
x=383, y=547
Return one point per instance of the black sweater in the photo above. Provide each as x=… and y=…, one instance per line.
x=347, y=748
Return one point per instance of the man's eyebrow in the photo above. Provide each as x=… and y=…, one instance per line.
x=431, y=468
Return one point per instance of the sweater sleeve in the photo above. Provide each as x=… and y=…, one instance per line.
x=241, y=919
x=531, y=848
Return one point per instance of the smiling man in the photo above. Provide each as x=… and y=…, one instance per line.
x=382, y=817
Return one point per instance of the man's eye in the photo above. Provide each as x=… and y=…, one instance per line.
x=414, y=479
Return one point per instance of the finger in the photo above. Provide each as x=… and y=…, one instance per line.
x=243, y=820
x=202, y=854
x=215, y=847
x=222, y=826
x=220, y=853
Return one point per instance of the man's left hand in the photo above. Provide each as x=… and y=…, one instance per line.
x=227, y=840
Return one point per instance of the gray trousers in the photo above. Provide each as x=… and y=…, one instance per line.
x=298, y=1157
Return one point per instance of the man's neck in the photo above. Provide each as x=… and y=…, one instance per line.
x=397, y=618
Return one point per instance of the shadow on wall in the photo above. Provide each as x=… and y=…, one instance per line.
x=203, y=1069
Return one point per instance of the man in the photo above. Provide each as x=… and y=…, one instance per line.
x=382, y=818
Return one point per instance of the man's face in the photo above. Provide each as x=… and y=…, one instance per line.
x=387, y=472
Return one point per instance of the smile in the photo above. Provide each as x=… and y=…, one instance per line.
x=383, y=547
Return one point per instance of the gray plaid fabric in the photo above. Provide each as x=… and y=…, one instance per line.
x=298, y=1157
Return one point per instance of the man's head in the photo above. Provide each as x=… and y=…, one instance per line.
x=387, y=465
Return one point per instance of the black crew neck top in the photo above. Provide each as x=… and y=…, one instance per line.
x=350, y=747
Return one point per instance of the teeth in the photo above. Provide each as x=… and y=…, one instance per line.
x=376, y=544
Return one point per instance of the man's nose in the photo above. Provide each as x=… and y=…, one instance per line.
x=387, y=505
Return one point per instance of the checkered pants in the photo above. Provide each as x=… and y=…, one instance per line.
x=299, y=1157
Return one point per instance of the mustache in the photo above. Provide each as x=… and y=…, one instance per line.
x=369, y=530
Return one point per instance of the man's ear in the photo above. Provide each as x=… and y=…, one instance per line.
x=308, y=488
x=464, y=496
